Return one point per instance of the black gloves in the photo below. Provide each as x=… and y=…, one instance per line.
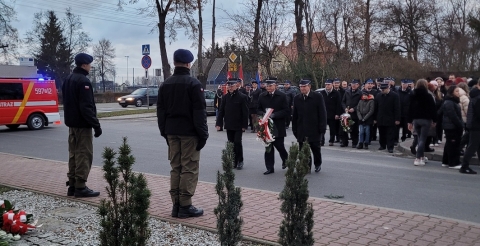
x=201, y=143
x=98, y=132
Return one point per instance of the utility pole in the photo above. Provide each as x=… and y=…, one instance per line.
x=3, y=46
x=127, y=69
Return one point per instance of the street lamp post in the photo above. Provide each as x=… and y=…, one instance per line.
x=127, y=67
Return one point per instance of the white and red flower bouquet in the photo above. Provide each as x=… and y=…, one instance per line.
x=265, y=130
x=346, y=121
x=13, y=223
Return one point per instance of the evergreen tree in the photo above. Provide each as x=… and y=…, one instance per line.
x=124, y=216
x=53, y=58
x=297, y=224
x=229, y=224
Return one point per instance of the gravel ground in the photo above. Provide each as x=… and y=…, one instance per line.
x=72, y=223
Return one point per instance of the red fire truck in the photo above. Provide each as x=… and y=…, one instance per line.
x=31, y=102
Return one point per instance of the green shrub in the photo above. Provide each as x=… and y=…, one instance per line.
x=297, y=223
x=229, y=224
x=124, y=216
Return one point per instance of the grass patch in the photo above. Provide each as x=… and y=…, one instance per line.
x=125, y=112
x=4, y=189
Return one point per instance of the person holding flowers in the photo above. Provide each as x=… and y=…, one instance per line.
x=276, y=100
x=309, y=121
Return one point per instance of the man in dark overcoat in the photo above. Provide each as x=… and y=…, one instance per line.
x=333, y=106
x=404, y=95
x=276, y=100
x=337, y=87
x=349, y=103
x=234, y=113
x=309, y=121
x=387, y=115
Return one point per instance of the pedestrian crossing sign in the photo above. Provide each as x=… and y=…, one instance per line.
x=146, y=49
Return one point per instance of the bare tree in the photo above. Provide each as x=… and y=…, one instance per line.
x=104, y=54
x=77, y=38
x=299, y=6
x=172, y=15
x=9, y=40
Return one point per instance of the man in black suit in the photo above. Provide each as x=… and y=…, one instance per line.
x=234, y=111
x=333, y=106
x=349, y=102
x=387, y=116
x=337, y=87
x=253, y=103
x=276, y=100
x=309, y=121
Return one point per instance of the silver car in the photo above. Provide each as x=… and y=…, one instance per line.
x=209, y=98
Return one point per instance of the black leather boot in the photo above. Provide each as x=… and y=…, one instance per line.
x=360, y=146
x=175, y=209
x=86, y=192
x=71, y=189
x=189, y=211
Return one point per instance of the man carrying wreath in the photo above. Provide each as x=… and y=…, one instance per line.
x=277, y=101
x=309, y=121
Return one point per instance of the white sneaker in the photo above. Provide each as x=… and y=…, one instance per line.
x=436, y=145
x=457, y=167
x=419, y=162
x=439, y=142
x=444, y=165
x=431, y=145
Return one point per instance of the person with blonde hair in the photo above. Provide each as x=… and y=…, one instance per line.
x=422, y=115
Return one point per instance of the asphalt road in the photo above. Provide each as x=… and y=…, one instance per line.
x=366, y=177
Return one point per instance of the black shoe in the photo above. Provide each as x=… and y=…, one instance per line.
x=235, y=165
x=381, y=148
x=70, y=190
x=366, y=146
x=462, y=153
x=360, y=146
x=403, y=139
x=189, y=211
x=284, y=165
x=268, y=172
x=175, y=209
x=413, y=150
x=395, y=144
x=240, y=165
x=390, y=151
x=467, y=170
x=318, y=168
x=86, y=192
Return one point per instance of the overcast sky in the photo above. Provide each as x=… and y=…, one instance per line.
x=126, y=30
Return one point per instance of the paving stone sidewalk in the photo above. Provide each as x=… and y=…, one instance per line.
x=336, y=223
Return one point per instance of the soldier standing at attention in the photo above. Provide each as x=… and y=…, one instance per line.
x=182, y=120
x=80, y=117
x=234, y=111
x=333, y=105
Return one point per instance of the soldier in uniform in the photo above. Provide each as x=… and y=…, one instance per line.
x=276, y=100
x=80, y=117
x=387, y=116
x=182, y=120
x=333, y=105
x=290, y=95
x=309, y=121
x=234, y=111
x=349, y=103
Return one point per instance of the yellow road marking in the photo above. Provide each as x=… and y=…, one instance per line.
x=24, y=102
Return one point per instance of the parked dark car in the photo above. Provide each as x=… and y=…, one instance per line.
x=209, y=98
x=139, y=97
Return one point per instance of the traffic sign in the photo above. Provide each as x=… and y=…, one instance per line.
x=232, y=57
x=232, y=67
x=146, y=49
x=146, y=62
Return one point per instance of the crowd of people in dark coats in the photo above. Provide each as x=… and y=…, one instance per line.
x=425, y=110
